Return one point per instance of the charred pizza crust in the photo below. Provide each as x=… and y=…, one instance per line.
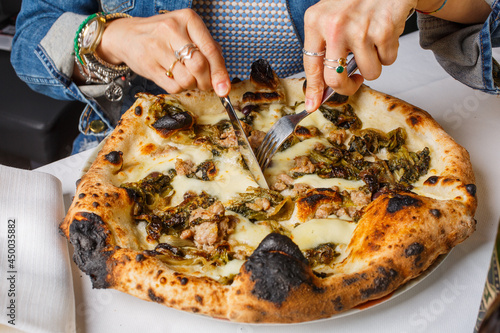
x=399, y=235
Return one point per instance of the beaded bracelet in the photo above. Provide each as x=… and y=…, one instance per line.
x=434, y=11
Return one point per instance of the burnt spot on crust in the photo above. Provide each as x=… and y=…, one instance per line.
x=88, y=236
x=138, y=110
x=140, y=257
x=155, y=298
x=336, y=100
x=314, y=199
x=261, y=73
x=303, y=132
x=435, y=212
x=415, y=120
x=350, y=280
x=277, y=266
x=260, y=97
x=183, y=280
x=471, y=189
x=308, y=205
x=318, y=195
x=337, y=304
x=414, y=249
x=399, y=202
x=198, y=299
x=114, y=157
x=381, y=283
x=448, y=180
x=391, y=107
x=432, y=180
x=81, y=195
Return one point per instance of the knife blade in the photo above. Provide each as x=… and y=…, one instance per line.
x=245, y=148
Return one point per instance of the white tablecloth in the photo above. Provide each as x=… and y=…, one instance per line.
x=446, y=301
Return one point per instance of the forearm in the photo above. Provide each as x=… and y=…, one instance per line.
x=42, y=51
x=460, y=11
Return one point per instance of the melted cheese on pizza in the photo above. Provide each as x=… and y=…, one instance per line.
x=215, y=213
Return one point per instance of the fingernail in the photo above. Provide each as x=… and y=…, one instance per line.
x=309, y=104
x=221, y=89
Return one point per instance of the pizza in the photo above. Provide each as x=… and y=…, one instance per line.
x=363, y=198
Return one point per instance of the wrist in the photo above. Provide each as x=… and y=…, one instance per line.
x=108, y=48
x=90, y=64
x=429, y=6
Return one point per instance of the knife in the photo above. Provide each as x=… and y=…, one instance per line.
x=245, y=148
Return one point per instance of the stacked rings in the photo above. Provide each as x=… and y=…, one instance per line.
x=342, y=62
x=185, y=52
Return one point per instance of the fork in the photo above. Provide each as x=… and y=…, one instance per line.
x=286, y=125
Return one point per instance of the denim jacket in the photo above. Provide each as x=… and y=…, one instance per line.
x=43, y=56
x=42, y=51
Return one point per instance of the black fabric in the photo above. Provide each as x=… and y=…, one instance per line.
x=32, y=125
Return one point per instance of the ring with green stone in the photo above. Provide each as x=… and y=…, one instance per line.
x=342, y=62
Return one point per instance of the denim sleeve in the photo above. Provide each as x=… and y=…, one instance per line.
x=465, y=51
x=42, y=49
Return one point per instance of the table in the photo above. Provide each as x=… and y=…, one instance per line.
x=445, y=301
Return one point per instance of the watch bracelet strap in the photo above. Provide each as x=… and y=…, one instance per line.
x=91, y=66
x=78, y=36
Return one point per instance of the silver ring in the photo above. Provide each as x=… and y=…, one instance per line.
x=339, y=69
x=342, y=63
x=185, y=52
x=313, y=54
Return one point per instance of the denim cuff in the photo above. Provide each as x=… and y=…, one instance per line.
x=465, y=51
x=59, y=42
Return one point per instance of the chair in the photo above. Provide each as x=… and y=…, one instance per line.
x=32, y=126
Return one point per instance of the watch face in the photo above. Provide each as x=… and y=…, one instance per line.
x=90, y=34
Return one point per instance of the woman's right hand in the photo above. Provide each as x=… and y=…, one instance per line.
x=147, y=46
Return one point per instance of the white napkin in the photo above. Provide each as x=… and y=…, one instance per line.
x=36, y=286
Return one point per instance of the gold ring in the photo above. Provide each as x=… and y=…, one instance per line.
x=169, y=71
x=340, y=61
